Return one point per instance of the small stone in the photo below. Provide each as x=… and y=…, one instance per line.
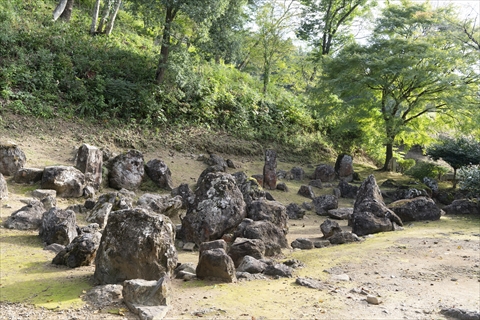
x=372, y=299
x=189, y=246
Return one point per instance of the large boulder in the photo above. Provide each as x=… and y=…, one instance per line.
x=272, y=236
x=215, y=264
x=136, y=244
x=370, y=214
x=463, y=206
x=242, y=247
x=166, y=204
x=69, y=182
x=218, y=208
x=251, y=265
x=80, y=252
x=3, y=188
x=416, y=209
x=324, y=203
x=12, y=158
x=294, y=211
x=306, y=191
x=329, y=228
x=324, y=172
x=297, y=173
x=344, y=167
x=158, y=171
x=269, y=170
x=126, y=170
x=28, y=175
x=273, y=211
x=347, y=190
x=89, y=161
x=249, y=186
x=28, y=217
x=58, y=226
x=108, y=202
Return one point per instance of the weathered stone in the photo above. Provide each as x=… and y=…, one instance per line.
x=269, y=170
x=250, y=187
x=344, y=167
x=80, y=252
x=186, y=193
x=58, y=226
x=242, y=247
x=184, y=268
x=432, y=184
x=160, y=174
x=324, y=172
x=463, y=206
x=12, y=158
x=406, y=193
x=278, y=270
x=324, y=203
x=316, y=183
x=343, y=237
x=297, y=173
x=347, y=190
x=306, y=191
x=54, y=247
x=251, y=265
x=107, y=203
x=127, y=170
x=416, y=209
x=43, y=193
x=272, y=236
x=302, y=243
x=104, y=295
x=340, y=213
x=140, y=292
x=282, y=187
x=460, y=314
x=211, y=169
x=258, y=178
x=3, y=188
x=215, y=264
x=218, y=209
x=233, y=165
x=189, y=246
x=150, y=312
x=136, y=244
x=273, y=211
x=214, y=160
x=89, y=161
x=329, y=228
x=294, y=211
x=67, y=181
x=28, y=217
x=210, y=245
x=370, y=214
x=373, y=299
x=28, y=175
x=321, y=243
x=310, y=283
x=161, y=204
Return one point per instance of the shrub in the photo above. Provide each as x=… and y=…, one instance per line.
x=470, y=179
x=405, y=164
x=426, y=169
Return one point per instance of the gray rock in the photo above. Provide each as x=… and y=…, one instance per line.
x=272, y=236
x=108, y=203
x=43, y=193
x=54, y=247
x=302, y=243
x=310, y=283
x=136, y=244
x=186, y=193
x=416, y=209
x=215, y=264
x=3, y=188
x=89, y=160
x=294, y=211
x=161, y=204
x=184, y=269
x=28, y=217
x=460, y=314
x=371, y=299
x=316, y=183
x=329, y=228
x=67, y=181
x=140, y=292
x=370, y=214
x=278, y=270
x=242, y=247
x=160, y=174
x=282, y=187
x=321, y=243
x=269, y=170
x=340, y=213
x=324, y=203
x=347, y=190
x=251, y=265
x=12, y=158
x=189, y=246
x=324, y=172
x=150, y=312
x=218, y=209
x=432, y=184
x=297, y=173
x=215, y=244
x=306, y=191
x=463, y=206
x=80, y=252
x=343, y=237
x=127, y=170
x=216, y=160
x=105, y=295
x=58, y=226
x=265, y=210
x=344, y=167
x=28, y=175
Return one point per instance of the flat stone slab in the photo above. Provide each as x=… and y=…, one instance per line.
x=150, y=312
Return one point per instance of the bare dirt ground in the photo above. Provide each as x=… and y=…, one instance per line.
x=415, y=272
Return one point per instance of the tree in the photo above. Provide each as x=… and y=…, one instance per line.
x=325, y=22
x=457, y=153
x=63, y=10
x=409, y=78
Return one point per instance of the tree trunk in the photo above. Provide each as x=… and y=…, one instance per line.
x=59, y=9
x=111, y=21
x=388, y=155
x=105, y=13
x=67, y=13
x=454, y=178
x=165, y=49
x=96, y=9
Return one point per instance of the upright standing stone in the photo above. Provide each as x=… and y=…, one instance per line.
x=160, y=174
x=12, y=158
x=89, y=161
x=127, y=170
x=344, y=167
x=269, y=170
x=58, y=226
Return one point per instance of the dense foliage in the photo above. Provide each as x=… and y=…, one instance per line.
x=235, y=65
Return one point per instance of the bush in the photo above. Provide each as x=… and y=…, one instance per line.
x=426, y=169
x=470, y=180
x=405, y=164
